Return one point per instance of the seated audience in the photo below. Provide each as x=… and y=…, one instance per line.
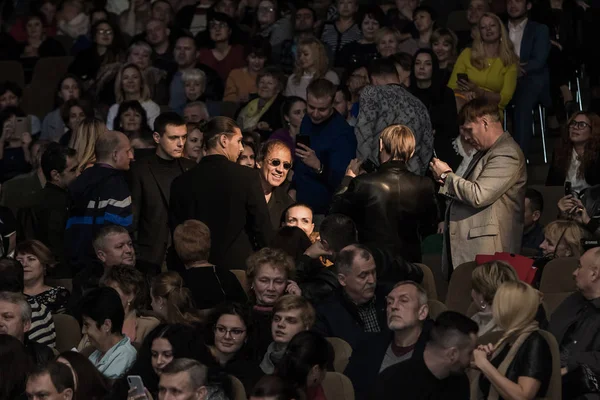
x=490, y=65
x=407, y=318
x=444, y=43
x=132, y=120
x=300, y=215
x=15, y=153
x=241, y=82
x=274, y=162
x=533, y=231
x=562, y=239
x=83, y=141
x=13, y=353
x=272, y=24
x=342, y=30
x=132, y=287
x=69, y=87
x=293, y=111
x=72, y=112
x=37, y=43
x=428, y=85
x=576, y=159
x=11, y=95
x=270, y=273
x=224, y=56
x=37, y=261
x=227, y=336
x=52, y=381
x=342, y=103
x=195, y=112
x=194, y=81
x=363, y=50
x=89, y=383
x=130, y=84
x=291, y=315
x=576, y=326
x=263, y=114
x=367, y=198
x=520, y=363
x=356, y=311
x=440, y=372
x=311, y=64
x=172, y=300
x=304, y=364
x=140, y=54
x=209, y=284
x=424, y=19
x=102, y=315
x=193, y=148
x=183, y=377
x=388, y=42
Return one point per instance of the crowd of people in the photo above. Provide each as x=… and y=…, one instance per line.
x=226, y=190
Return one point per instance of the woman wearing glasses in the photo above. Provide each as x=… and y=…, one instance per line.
x=274, y=162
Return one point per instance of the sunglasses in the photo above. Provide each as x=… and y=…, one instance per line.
x=276, y=163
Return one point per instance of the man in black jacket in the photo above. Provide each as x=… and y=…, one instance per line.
x=150, y=184
x=390, y=204
x=407, y=319
x=226, y=196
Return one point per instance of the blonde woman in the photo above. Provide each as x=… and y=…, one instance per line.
x=311, y=63
x=519, y=366
x=562, y=239
x=130, y=84
x=388, y=41
x=486, y=279
x=487, y=69
x=83, y=141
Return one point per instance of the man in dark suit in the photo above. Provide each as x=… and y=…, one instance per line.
x=226, y=196
x=150, y=184
x=532, y=45
x=388, y=205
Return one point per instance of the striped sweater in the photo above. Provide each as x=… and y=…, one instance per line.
x=42, y=325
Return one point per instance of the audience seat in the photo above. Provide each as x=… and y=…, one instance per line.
x=240, y=274
x=436, y=308
x=557, y=281
x=434, y=262
x=555, y=387
x=38, y=97
x=490, y=337
x=338, y=387
x=457, y=21
x=228, y=108
x=239, y=392
x=458, y=297
x=428, y=282
x=66, y=283
x=551, y=195
x=12, y=71
x=342, y=353
x=68, y=332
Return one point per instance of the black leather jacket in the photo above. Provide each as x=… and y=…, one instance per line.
x=591, y=201
x=388, y=207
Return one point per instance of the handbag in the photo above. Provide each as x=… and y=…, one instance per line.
x=581, y=381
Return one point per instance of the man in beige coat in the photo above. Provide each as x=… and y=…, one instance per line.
x=485, y=208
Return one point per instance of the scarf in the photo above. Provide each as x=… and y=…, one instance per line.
x=272, y=357
x=486, y=322
x=250, y=115
x=503, y=367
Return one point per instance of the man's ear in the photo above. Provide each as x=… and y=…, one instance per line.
x=201, y=393
x=342, y=279
x=156, y=137
x=452, y=354
x=223, y=140
x=536, y=215
x=67, y=394
x=423, y=312
x=106, y=326
x=168, y=32
x=101, y=255
x=26, y=326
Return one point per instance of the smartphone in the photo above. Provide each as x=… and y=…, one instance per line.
x=21, y=126
x=462, y=77
x=568, y=188
x=369, y=166
x=303, y=139
x=135, y=382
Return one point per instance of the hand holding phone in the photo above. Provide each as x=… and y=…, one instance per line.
x=462, y=77
x=303, y=139
x=369, y=166
x=136, y=386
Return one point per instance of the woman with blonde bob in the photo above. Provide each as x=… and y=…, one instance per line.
x=519, y=365
x=490, y=65
x=84, y=139
x=389, y=204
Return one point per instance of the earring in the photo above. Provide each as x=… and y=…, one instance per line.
x=483, y=306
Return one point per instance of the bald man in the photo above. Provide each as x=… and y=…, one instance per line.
x=576, y=322
x=99, y=196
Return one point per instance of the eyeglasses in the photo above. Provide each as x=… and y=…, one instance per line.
x=105, y=31
x=266, y=9
x=223, y=331
x=276, y=163
x=217, y=25
x=579, y=124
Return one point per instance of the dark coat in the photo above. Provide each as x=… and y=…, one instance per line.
x=388, y=206
x=229, y=199
x=279, y=202
x=150, y=184
x=338, y=317
x=51, y=213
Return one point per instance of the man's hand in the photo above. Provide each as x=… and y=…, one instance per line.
x=438, y=167
x=308, y=156
x=26, y=140
x=317, y=250
x=522, y=71
x=583, y=4
x=353, y=169
x=563, y=371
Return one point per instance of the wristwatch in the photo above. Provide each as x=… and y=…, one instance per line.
x=444, y=175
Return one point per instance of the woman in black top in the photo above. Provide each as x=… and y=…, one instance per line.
x=520, y=364
x=210, y=284
x=38, y=44
x=426, y=84
x=362, y=51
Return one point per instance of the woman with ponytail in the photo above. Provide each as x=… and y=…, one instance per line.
x=171, y=300
x=519, y=366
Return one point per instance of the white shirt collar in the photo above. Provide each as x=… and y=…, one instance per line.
x=518, y=27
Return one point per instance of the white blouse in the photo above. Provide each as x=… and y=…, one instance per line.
x=577, y=183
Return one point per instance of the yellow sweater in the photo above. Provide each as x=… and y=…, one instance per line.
x=240, y=83
x=495, y=78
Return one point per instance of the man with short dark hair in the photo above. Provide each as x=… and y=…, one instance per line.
x=50, y=213
x=357, y=309
x=184, y=378
x=342, y=102
x=305, y=22
x=439, y=374
x=150, y=184
x=407, y=318
x=385, y=102
x=54, y=381
x=99, y=196
x=533, y=231
x=226, y=196
x=321, y=166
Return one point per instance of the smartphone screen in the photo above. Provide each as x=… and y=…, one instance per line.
x=568, y=188
x=135, y=382
x=369, y=166
x=22, y=126
x=303, y=139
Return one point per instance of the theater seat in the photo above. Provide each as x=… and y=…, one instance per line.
x=342, y=353
x=338, y=387
x=240, y=274
x=38, y=97
x=428, y=282
x=557, y=281
x=239, y=392
x=436, y=308
x=68, y=332
x=459, y=290
x=12, y=71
